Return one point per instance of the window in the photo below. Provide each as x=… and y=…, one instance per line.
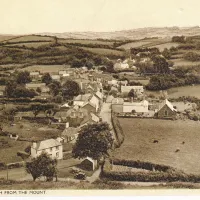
x=166, y=113
x=57, y=148
x=51, y=149
x=57, y=155
x=80, y=114
x=73, y=114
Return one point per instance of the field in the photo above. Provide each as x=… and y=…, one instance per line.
x=6, y=37
x=134, y=44
x=27, y=44
x=27, y=38
x=181, y=62
x=180, y=91
x=46, y=68
x=140, y=134
x=74, y=41
x=102, y=51
x=168, y=45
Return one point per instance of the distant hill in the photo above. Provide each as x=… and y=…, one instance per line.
x=133, y=34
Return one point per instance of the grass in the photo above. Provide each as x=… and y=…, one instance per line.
x=181, y=62
x=9, y=154
x=6, y=37
x=102, y=51
x=86, y=41
x=46, y=68
x=27, y=38
x=168, y=45
x=29, y=44
x=139, y=136
x=134, y=44
x=180, y=91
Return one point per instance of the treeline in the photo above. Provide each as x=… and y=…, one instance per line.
x=163, y=82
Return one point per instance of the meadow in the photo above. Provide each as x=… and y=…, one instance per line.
x=139, y=145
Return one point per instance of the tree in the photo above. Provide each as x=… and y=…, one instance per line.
x=46, y=78
x=43, y=165
x=70, y=89
x=55, y=87
x=94, y=140
x=23, y=77
x=160, y=65
x=131, y=94
x=166, y=53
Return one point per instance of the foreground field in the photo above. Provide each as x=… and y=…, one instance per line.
x=140, y=134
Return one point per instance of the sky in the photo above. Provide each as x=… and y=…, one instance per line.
x=57, y=16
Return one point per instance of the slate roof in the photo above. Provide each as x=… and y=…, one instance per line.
x=46, y=144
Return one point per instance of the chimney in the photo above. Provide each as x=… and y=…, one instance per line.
x=81, y=85
x=67, y=125
x=34, y=145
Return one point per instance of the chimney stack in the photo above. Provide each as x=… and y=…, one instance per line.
x=67, y=125
x=34, y=145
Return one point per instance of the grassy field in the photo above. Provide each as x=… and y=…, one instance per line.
x=134, y=44
x=168, y=45
x=180, y=91
x=6, y=37
x=102, y=51
x=46, y=68
x=8, y=153
x=140, y=134
x=27, y=44
x=27, y=38
x=76, y=41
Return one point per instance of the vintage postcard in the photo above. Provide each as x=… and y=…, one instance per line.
x=99, y=95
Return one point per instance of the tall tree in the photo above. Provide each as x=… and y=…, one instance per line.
x=46, y=78
x=43, y=165
x=160, y=64
x=23, y=77
x=94, y=140
x=70, y=89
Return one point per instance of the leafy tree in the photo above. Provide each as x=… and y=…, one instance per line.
x=76, y=63
x=70, y=89
x=179, y=39
x=131, y=94
x=166, y=53
x=43, y=165
x=160, y=64
x=23, y=77
x=94, y=140
x=46, y=78
x=55, y=87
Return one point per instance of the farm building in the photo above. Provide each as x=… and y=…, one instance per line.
x=51, y=146
x=138, y=107
x=89, y=164
x=89, y=106
x=166, y=110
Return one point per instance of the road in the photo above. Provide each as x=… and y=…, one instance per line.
x=105, y=114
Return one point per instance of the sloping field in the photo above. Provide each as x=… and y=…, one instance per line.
x=46, y=68
x=27, y=38
x=74, y=41
x=102, y=51
x=181, y=62
x=6, y=37
x=134, y=44
x=28, y=44
x=168, y=45
x=140, y=134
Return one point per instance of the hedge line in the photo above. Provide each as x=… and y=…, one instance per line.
x=143, y=165
x=150, y=177
x=118, y=130
x=3, y=166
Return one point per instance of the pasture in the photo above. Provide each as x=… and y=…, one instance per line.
x=168, y=45
x=76, y=41
x=28, y=44
x=46, y=68
x=179, y=91
x=171, y=135
x=27, y=38
x=104, y=52
x=6, y=37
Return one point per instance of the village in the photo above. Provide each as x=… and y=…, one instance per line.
x=56, y=129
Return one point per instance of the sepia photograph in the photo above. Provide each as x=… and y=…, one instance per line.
x=99, y=95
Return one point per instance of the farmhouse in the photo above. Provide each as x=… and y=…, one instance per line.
x=138, y=107
x=90, y=107
x=166, y=110
x=51, y=146
x=138, y=90
x=95, y=101
x=81, y=99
